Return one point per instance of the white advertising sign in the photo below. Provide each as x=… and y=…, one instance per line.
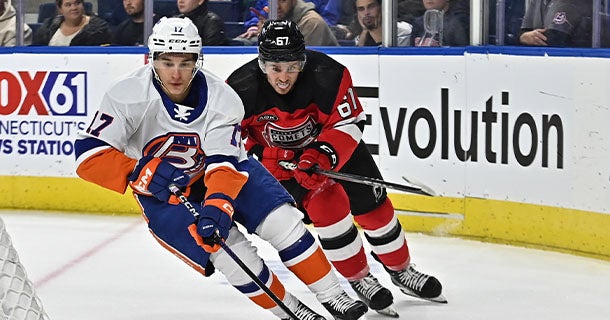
x=518, y=128
x=44, y=100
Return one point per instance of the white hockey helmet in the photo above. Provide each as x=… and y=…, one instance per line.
x=174, y=35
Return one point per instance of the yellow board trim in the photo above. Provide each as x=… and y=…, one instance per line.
x=565, y=230
x=63, y=194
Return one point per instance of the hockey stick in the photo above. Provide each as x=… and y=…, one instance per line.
x=416, y=188
x=176, y=191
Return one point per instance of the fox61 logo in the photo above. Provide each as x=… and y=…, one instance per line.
x=55, y=93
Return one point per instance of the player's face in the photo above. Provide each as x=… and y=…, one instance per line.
x=175, y=70
x=186, y=6
x=282, y=75
x=369, y=13
x=133, y=7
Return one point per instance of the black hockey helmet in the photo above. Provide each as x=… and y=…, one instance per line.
x=281, y=40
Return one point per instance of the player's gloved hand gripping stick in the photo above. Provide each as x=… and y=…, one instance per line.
x=152, y=176
x=416, y=188
x=217, y=239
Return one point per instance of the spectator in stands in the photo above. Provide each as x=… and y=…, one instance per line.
x=72, y=27
x=369, y=18
x=313, y=25
x=8, y=26
x=130, y=32
x=559, y=23
x=254, y=20
x=330, y=10
x=453, y=28
x=347, y=26
x=210, y=25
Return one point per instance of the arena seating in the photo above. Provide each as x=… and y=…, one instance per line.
x=112, y=11
x=233, y=28
x=513, y=16
x=229, y=11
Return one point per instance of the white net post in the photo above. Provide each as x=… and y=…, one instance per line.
x=18, y=301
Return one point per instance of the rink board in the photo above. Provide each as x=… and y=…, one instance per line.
x=515, y=144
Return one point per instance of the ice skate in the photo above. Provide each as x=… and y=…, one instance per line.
x=304, y=313
x=375, y=295
x=417, y=284
x=343, y=307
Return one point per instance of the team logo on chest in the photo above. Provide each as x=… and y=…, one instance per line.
x=182, y=112
x=183, y=150
x=293, y=137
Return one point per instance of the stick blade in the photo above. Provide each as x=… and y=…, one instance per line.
x=422, y=186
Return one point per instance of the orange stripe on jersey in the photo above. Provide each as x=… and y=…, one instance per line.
x=264, y=300
x=108, y=168
x=312, y=269
x=225, y=180
x=221, y=204
x=178, y=254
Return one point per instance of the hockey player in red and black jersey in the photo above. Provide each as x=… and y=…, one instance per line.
x=301, y=108
x=173, y=123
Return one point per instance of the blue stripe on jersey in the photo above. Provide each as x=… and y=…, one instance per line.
x=251, y=287
x=300, y=246
x=83, y=145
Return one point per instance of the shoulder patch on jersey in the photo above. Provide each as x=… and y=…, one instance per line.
x=267, y=117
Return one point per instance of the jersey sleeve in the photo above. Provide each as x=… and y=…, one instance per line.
x=99, y=148
x=344, y=127
x=94, y=164
x=223, y=145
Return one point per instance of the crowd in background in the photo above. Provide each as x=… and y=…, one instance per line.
x=559, y=23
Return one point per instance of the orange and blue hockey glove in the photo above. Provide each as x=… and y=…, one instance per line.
x=215, y=220
x=152, y=176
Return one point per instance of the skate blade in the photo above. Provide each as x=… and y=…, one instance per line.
x=388, y=311
x=439, y=299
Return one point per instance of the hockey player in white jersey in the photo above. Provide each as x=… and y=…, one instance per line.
x=172, y=122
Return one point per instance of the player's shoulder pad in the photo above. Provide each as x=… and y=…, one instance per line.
x=221, y=98
x=322, y=70
x=245, y=78
x=133, y=87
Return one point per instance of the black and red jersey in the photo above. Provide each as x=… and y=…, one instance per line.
x=322, y=106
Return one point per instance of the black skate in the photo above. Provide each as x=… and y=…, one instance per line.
x=417, y=284
x=304, y=313
x=375, y=295
x=342, y=307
